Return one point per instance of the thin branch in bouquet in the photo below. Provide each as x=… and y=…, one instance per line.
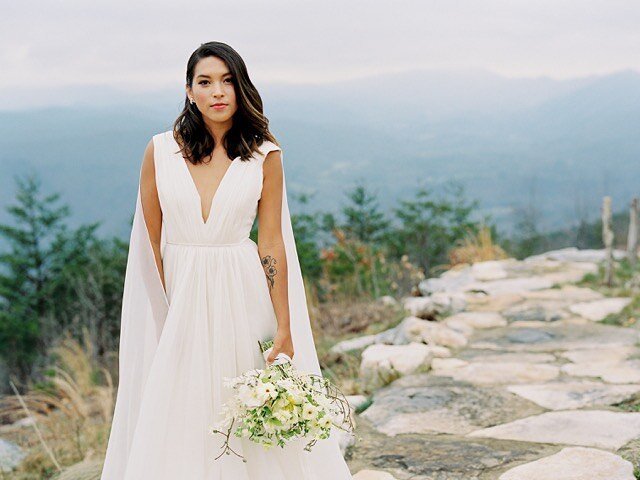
x=226, y=448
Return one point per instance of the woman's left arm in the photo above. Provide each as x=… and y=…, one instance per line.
x=272, y=251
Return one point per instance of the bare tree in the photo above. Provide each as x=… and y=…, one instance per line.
x=607, y=240
x=632, y=237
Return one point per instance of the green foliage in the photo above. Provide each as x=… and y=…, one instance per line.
x=53, y=278
x=429, y=226
x=363, y=219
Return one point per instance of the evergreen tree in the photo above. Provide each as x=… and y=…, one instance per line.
x=429, y=226
x=40, y=256
x=363, y=219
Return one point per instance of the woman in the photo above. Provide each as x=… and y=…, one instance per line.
x=199, y=293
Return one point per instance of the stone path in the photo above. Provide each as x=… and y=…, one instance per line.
x=517, y=380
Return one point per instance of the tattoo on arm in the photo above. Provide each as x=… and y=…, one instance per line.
x=268, y=263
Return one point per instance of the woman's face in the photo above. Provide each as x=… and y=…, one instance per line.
x=213, y=83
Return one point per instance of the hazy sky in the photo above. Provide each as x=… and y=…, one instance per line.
x=145, y=44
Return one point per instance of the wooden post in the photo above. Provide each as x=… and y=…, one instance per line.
x=632, y=238
x=607, y=239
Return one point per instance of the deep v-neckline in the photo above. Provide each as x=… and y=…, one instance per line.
x=197, y=192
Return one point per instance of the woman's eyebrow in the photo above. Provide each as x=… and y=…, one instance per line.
x=207, y=76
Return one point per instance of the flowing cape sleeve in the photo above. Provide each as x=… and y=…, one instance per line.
x=144, y=310
x=305, y=357
x=325, y=459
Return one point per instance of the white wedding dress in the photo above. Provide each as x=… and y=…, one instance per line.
x=177, y=347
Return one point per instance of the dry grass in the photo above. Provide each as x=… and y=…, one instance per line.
x=476, y=248
x=71, y=409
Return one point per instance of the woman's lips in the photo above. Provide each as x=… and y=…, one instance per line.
x=219, y=107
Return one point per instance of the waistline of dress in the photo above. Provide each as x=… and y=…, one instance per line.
x=244, y=241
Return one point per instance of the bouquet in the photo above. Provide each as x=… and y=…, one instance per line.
x=278, y=404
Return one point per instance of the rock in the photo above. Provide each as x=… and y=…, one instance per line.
x=529, y=335
x=414, y=329
x=480, y=302
x=438, y=303
x=426, y=404
x=373, y=475
x=454, y=280
x=623, y=372
x=554, y=336
x=438, y=457
x=345, y=439
x=387, y=300
x=11, y=455
x=494, y=373
x=490, y=270
x=515, y=285
x=382, y=363
x=569, y=320
x=572, y=254
x=598, y=310
x=572, y=273
x=354, y=344
x=535, y=311
x=600, y=355
x=567, y=293
x=507, y=357
x=88, y=469
x=589, y=428
x=356, y=401
x=574, y=394
x=466, y=322
x=574, y=463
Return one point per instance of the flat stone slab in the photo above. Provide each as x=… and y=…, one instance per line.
x=373, y=475
x=567, y=293
x=598, y=310
x=574, y=394
x=588, y=428
x=477, y=302
x=574, y=463
x=601, y=355
x=426, y=404
x=11, y=455
x=551, y=337
x=499, y=357
x=536, y=310
x=438, y=457
x=466, y=322
x=514, y=285
x=624, y=372
x=491, y=373
x=573, y=254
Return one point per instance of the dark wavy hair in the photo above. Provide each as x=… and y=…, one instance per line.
x=250, y=127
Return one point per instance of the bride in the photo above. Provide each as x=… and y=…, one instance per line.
x=199, y=293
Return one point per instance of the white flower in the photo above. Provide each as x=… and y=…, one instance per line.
x=265, y=391
x=283, y=415
x=325, y=421
x=249, y=397
x=309, y=411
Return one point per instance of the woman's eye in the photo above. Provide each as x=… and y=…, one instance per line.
x=203, y=81
x=230, y=80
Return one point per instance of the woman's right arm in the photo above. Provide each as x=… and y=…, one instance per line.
x=151, y=205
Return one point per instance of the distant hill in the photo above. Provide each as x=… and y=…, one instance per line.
x=562, y=144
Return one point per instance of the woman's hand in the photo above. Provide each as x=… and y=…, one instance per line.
x=282, y=343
